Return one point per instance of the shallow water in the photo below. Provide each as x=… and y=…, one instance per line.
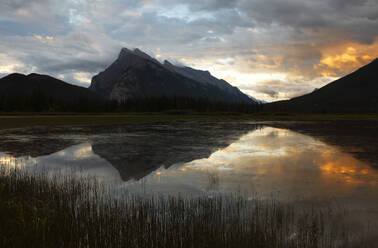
x=247, y=158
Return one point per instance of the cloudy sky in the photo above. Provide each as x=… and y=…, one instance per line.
x=270, y=49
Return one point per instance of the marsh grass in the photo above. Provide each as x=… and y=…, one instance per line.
x=37, y=210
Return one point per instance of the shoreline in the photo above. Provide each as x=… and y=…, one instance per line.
x=22, y=120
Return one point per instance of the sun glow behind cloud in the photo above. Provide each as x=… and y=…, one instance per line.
x=345, y=58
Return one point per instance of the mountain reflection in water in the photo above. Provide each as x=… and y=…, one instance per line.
x=264, y=161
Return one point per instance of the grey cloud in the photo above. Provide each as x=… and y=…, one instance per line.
x=342, y=16
x=75, y=65
x=77, y=52
x=213, y=4
x=357, y=18
x=211, y=39
x=201, y=5
x=151, y=28
x=69, y=78
x=88, y=34
x=279, y=89
x=226, y=21
x=42, y=16
x=17, y=4
x=9, y=27
x=66, y=63
x=269, y=92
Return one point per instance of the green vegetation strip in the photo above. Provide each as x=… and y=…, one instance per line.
x=29, y=120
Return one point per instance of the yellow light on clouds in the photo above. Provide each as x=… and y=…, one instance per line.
x=6, y=69
x=83, y=77
x=345, y=58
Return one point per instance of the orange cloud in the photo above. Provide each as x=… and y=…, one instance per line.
x=345, y=58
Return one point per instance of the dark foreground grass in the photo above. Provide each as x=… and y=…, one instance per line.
x=20, y=120
x=40, y=211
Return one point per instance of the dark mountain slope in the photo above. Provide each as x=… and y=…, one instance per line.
x=136, y=75
x=354, y=93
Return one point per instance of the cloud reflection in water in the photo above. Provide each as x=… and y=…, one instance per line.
x=265, y=161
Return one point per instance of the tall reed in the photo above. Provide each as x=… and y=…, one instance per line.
x=37, y=210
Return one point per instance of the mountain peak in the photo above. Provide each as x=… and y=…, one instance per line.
x=34, y=75
x=15, y=76
x=125, y=52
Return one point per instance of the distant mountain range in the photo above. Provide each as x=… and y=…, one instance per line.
x=354, y=93
x=137, y=75
x=133, y=75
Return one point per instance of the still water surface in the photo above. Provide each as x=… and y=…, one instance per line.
x=253, y=160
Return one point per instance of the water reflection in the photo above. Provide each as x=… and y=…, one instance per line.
x=78, y=159
x=264, y=161
x=269, y=161
x=137, y=154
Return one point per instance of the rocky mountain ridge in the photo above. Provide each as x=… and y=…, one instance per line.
x=135, y=74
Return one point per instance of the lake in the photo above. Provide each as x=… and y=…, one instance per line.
x=327, y=166
x=294, y=161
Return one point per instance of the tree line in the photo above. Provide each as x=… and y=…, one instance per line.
x=40, y=102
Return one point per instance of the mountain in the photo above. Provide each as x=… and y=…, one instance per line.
x=21, y=85
x=354, y=93
x=38, y=93
x=137, y=75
